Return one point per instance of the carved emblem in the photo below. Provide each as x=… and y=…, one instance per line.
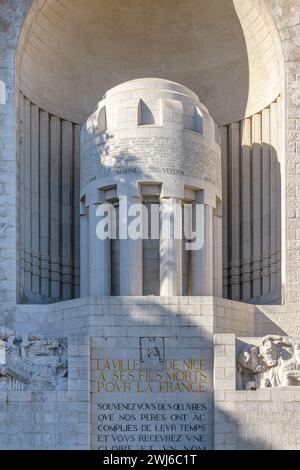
x=152, y=352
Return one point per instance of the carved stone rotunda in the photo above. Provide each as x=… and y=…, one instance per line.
x=157, y=146
x=150, y=224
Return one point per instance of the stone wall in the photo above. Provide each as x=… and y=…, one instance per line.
x=110, y=329
x=11, y=18
x=257, y=420
x=96, y=315
x=242, y=419
x=286, y=15
x=53, y=420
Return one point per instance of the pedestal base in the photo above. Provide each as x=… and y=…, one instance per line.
x=151, y=373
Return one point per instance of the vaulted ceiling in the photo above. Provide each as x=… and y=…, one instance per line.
x=72, y=51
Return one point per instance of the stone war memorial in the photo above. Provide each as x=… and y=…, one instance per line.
x=150, y=225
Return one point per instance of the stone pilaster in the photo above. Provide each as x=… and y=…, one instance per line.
x=202, y=260
x=131, y=256
x=170, y=247
x=12, y=14
x=99, y=258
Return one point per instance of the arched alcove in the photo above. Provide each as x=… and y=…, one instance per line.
x=226, y=51
x=71, y=52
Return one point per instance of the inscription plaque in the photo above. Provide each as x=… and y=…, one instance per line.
x=151, y=402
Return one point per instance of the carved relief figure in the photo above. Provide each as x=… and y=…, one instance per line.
x=250, y=367
x=151, y=352
x=275, y=363
x=291, y=368
x=13, y=374
x=273, y=356
x=33, y=363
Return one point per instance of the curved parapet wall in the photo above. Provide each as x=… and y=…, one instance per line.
x=151, y=130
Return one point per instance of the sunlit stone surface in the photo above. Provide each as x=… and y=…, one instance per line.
x=141, y=344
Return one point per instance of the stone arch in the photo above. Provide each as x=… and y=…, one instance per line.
x=237, y=71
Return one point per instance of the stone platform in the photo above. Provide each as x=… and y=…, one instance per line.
x=150, y=373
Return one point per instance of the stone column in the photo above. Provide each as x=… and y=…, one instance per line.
x=234, y=213
x=44, y=202
x=76, y=146
x=170, y=247
x=217, y=251
x=99, y=258
x=55, y=208
x=67, y=170
x=257, y=204
x=203, y=259
x=274, y=207
x=84, y=250
x=225, y=241
x=246, y=226
x=27, y=199
x=35, y=202
x=266, y=216
x=131, y=251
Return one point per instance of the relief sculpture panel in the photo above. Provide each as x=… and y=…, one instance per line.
x=32, y=362
x=274, y=363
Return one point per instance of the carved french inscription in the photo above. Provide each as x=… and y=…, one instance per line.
x=151, y=401
x=164, y=157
